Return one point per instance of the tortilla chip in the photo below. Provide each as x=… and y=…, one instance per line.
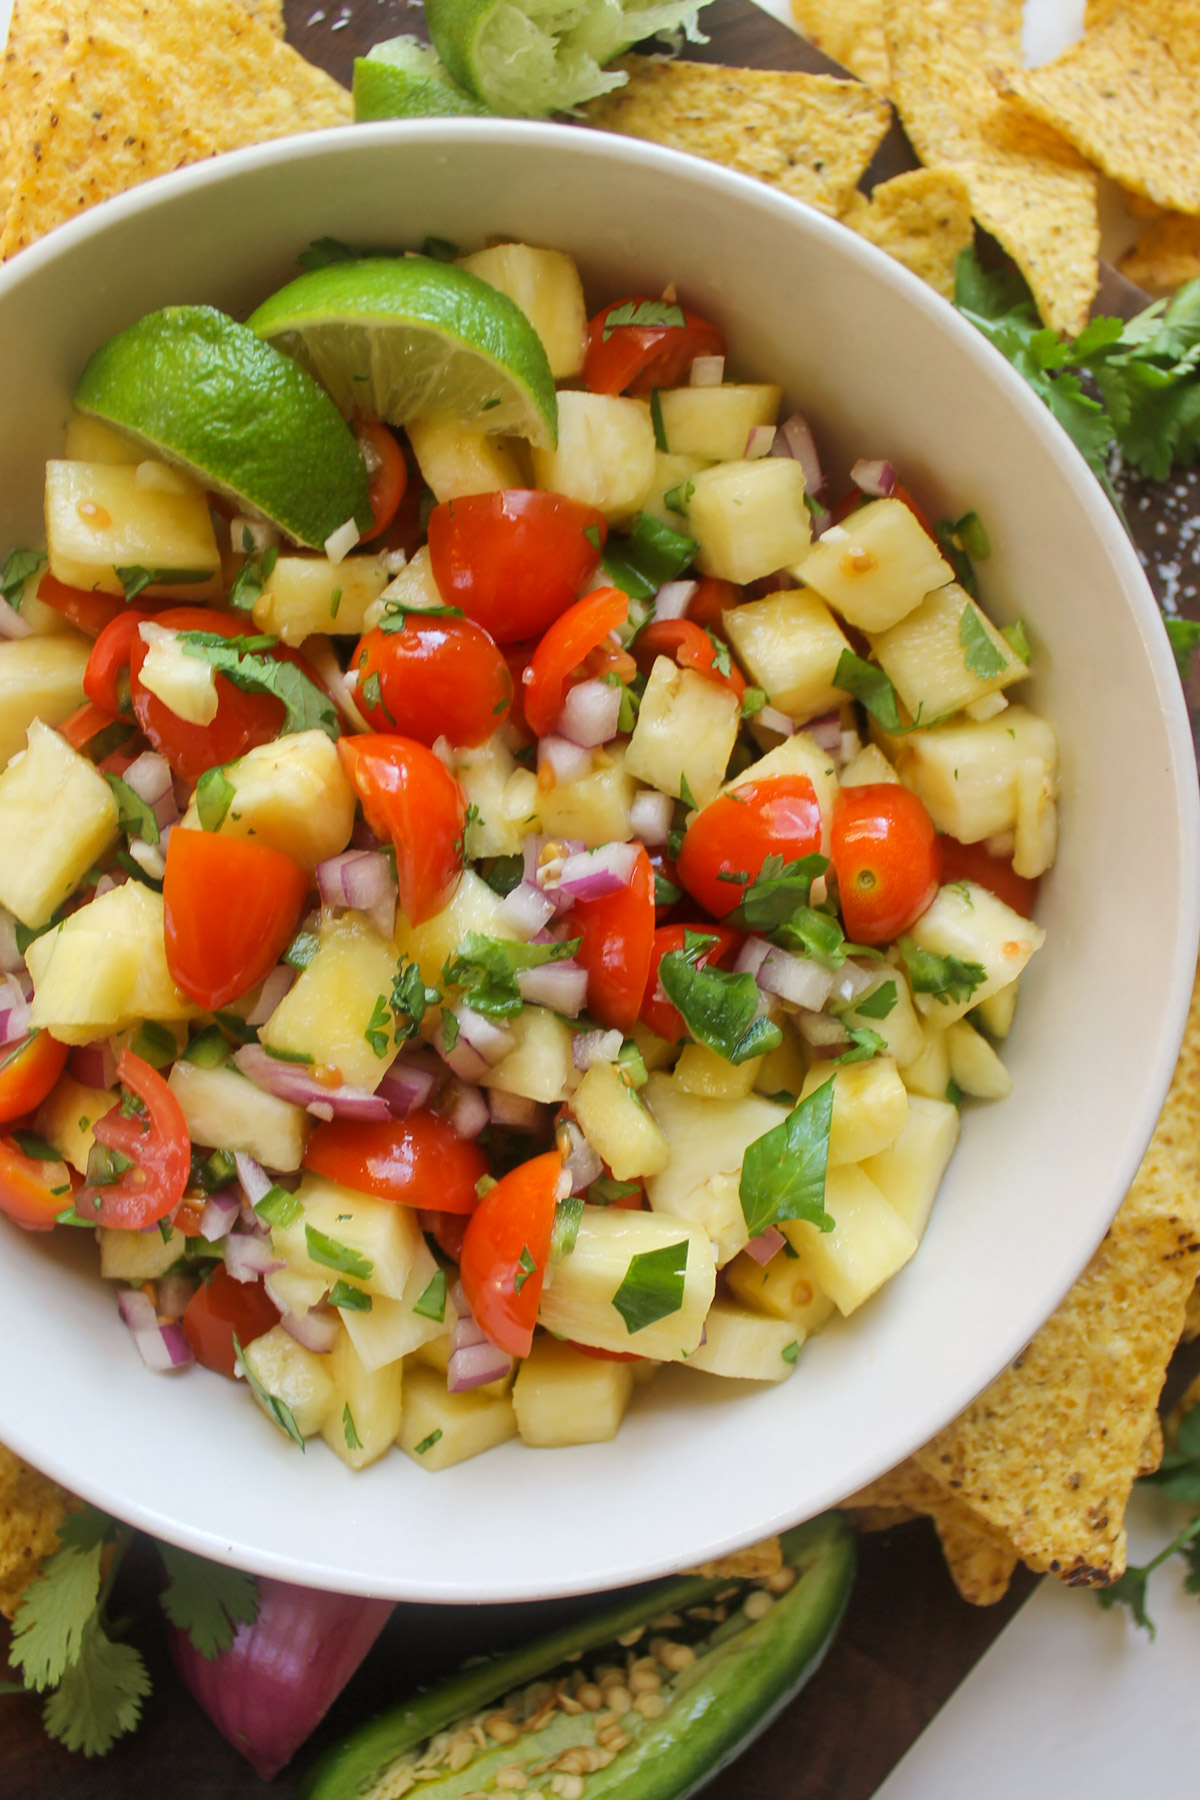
x=923, y=219
x=1191, y=1317
x=268, y=13
x=810, y=135
x=1127, y=96
x=881, y=1518
x=1050, y=1451
x=1166, y=255
x=38, y=38
x=851, y=32
x=32, y=1508
x=751, y=1564
x=980, y=1558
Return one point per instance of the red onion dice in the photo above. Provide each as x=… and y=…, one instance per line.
x=796, y=440
x=220, y=1211
x=759, y=442
x=562, y=986
x=567, y=761
x=161, y=1347
x=590, y=713
x=796, y=979
x=362, y=880
x=706, y=371
x=526, y=909
x=296, y=1083
x=877, y=478
x=673, y=599
x=275, y=988
x=766, y=1245
x=466, y=1107
x=247, y=1257
x=650, y=816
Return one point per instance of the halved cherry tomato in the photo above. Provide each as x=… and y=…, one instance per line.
x=433, y=678
x=28, y=1071
x=33, y=1192
x=657, y=1011
x=886, y=857
x=90, y=612
x=618, y=938
x=516, y=559
x=446, y=1229
x=901, y=493
x=231, y=908
x=242, y=720
x=220, y=1311
x=387, y=470
x=975, y=862
x=711, y=601
x=416, y=1161
x=154, y=1138
x=85, y=723
x=733, y=835
x=506, y=1249
x=106, y=678
x=562, y=650
x=410, y=797
x=638, y=358
x=518, y=657
x=690, y=646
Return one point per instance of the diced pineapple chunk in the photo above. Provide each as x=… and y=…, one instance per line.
x=870, y=1106
x=475, y=907
x=967, y=922
x=783, y=1069
x=394, y=1328
x=798, y=755
x=605, y=453
x=294, y=1291
x=715, y=422
x=745, y=1345
x=578, y=1302
x=868, y=1245
x=701, y=1071
x=66, y=1116
x=364, y=1416
x=505, y=811
x=439, y=1429
x=716, y=1207
x=789, y=645
x=974, y=1065
x=749, y=518
x=785, y=1289
x=413, y=589
x=539, y=1066
x=327, y=1014
x=57, y=816
x=101, y=517
x=868, y=769
x=656, y=1052
x=137, y=1256
x=91, y=441
x=42, y=620
x=291, y=795
x=561, y=1396
x=224, y=1110
x=104, y=968
x=40, y=678
x=304, y=594
x=545, y=285
x=617, y=1125
x=705, y=1138
x=455, y=459
x=901, y=1029
x=670, y=473
x=995, y=1014
x=909, y=1172
x=928, y=1073
x=186, y=685
x=977, y=780
x=294, y=1375
x=596, y=807
x=876, y=565
x=946, y=654
x=686, y=729
x=375, y=1242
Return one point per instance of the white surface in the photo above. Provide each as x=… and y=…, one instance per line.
x=882, y=366
x=1072, y=1703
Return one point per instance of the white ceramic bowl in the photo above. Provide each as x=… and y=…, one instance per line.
x=882, y=368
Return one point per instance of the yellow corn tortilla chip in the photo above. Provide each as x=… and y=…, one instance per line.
x=810, y=135
x=1127, y=95
x=923, y=219
x=1050, y=1451
x=1191, y=1317
x=39, y=37
x=851, y=31
x=31, y=1510
x=979, y=1556
x=751, y=1564
x=1166, y=255
x=1028, y=187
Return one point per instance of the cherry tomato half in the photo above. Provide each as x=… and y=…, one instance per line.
x=155, y=1139
x=733, y=835
x=32, y=1192
x=638, y=358
x=416, y=1161
x=691, y=647
x=28, y=1071
x=974, y=862
x=446, y=1229
x=410, y=797
x=231, y=909
x=433, y=678
x=85, y=723
x=516, y=559
x=506, y=1249
x=386, y=469
x=106, y=678
x=221, y=1310
x=618, y=939
x=569, y=640
x=886, y=857
x=657, y=1011
x=90, y=612
x=712, y=599
x=242, y=720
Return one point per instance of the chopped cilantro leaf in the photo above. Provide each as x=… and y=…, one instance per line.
x=783, y=1172
x=1184, y=635
x=651, y=555
x=686, y=794
x=954, y=1093
x=871, y=688
x=631, y=1065
x=790, y=1352
x=214, y=796
x=439, y=249
x=485, y=970
x=606, y=1188
x=241, y=661
x=19, y=565
x=333, y=1255
x=568, y=1216
x=665, y=891
x=410, y=999
x=1017, y=639
x=592, y=534
x=656, y=420
x=641, y=312
x=376, y=1032
x=302, y=949
x=777, y=893
x=525, y=1268
x=133, y=814
x=206, y=1600
x=427, y=1443
x=100, y=1696
x=49, y=1623
x=278, y=1207
x=278, y=1411
x=504, y=873
x=980, y=654
x=878, y=1004
x=349, y=1429
x=653, y=1286
x=326, y=250
x=207, y=1049
x=432, y=1303
x=720, y=1010
x=348, y=1298
x=864, y=1045
x=30, y=1144
x=134, y=578
x=946, y=977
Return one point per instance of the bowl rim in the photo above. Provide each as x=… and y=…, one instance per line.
x=1179, y=775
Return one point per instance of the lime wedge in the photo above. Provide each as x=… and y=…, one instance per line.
x=531, y=58
x=404, y=79
x=406, y=337
x=200, y=390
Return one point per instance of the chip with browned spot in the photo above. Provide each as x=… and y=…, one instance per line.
x=922, y=219
x=31, y=1510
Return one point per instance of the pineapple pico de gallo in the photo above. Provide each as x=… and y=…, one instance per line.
x=455, y=977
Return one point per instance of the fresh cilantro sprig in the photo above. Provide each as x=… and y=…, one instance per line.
x=206, y=1600
x=945, y=977
x=485, y=970
x=720, y=1009
x=253, y=575
x=652, y=1287
x=241, y=660
x=1177, y=1478
x=19, y=565
x=873, y=690
x=777, y=892
x=133, y=815
x=409, y=1000
x=652, y=554
x=658, y=313
x=783, y=1172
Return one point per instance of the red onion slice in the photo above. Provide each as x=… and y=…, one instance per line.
x=14, y=1010
x=673, y=599
x=595, y=1046
x=95, y=1065
x=316, y=1330
x=526, y=909
x=252, y=1177
x=406, y=1088
x=766, y=1245
x=877, y=478
x=362, y=880
x=751, y=956
x=475, y=1365
x=567, y=761
x=590, y=714
x=12, y=625
x=774, y=720
x=852, y=980
x=590, y=874
x=247, y=1258
x=562, y=986
x=826, y=731
x=650, y=815
x=795, y=439
x=479, y=1047
x=275, y=988
x=581, y=1164
x=220, y=1211
x=295, y=1082
x=759, y=442
x=11, y=959
x=796, y=979
x=706, y=371
x=161, y=1347
x=466, y=1107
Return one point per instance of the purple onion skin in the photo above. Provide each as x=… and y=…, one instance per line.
x=270, y=1690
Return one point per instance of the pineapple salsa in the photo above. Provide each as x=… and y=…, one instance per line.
x=505, y=892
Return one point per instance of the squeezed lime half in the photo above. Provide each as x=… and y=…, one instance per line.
x=404, y=79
